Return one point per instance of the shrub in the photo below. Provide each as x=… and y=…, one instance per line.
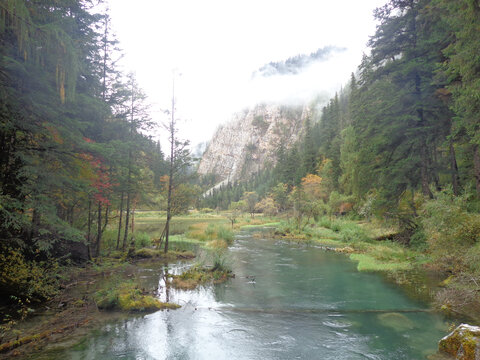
x=142, y=239
x=418, y=240
x=336, y=225
x=450, y=229
x=325, y=222
x=27, y=280
x=350, y=232
x=109, y=240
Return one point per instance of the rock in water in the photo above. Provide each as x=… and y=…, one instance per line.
x=463, y=343
x=396, y=321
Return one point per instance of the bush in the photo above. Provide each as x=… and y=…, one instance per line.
x=206, y=211
x=418, y=240
x=109, y=240
x=450, y=229
x=325, y=222
x=142, y=239
x=353, y=233
x=27, y=280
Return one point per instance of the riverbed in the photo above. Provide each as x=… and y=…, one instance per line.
x=286, y=301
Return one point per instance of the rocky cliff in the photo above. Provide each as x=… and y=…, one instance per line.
x=250, y=141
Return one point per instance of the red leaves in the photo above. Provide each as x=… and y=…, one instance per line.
x=102, y=183
x=99, y=176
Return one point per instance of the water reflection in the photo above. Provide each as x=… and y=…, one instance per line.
x=286, y=302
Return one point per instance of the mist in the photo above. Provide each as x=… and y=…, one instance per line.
x=235, y=91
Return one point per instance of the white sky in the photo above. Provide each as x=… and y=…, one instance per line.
x=217, y=44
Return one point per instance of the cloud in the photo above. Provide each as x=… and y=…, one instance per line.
x=298, y=63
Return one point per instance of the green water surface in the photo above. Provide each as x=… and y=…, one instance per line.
x=286, y=302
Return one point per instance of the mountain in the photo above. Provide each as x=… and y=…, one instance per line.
x=250, y=141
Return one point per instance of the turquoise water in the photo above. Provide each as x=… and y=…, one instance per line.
x=286, y=302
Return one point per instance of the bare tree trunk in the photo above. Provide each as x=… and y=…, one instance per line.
x=454, y=170
x=133, y=213
x=107, y=210
x=172, y=163
x=424, y=173
x=476, y=166
x=89, y=229
x=99, y=230
x=127, y=219
x=120, y=221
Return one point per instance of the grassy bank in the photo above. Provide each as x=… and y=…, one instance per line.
x=419, y=271
x=358, y=240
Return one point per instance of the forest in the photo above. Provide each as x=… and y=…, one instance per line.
x=398, y=145
x=76, y=142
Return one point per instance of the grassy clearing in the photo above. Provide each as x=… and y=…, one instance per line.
x=211, y=233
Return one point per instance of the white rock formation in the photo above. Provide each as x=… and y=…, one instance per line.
x=249, y=142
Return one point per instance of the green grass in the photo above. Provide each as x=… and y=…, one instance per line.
x=371, y=255
x=367, y=262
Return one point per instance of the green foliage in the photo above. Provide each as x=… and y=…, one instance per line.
x=142, y=240
x=418, y=241
x=450, y=229
x=27, y=280
x=350, y=232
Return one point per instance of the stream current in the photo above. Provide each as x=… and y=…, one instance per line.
x=286, y=302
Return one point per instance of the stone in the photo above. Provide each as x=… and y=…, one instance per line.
x=463, y=343
x=396, y=321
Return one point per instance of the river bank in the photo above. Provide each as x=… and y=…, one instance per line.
x=91, y=295
x=371, y=245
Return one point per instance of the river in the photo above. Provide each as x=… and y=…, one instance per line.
x=286, y=302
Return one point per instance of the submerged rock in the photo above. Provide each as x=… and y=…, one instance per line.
x=396, y=321
x=463, y=343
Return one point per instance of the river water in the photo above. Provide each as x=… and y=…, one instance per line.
x=286, y=302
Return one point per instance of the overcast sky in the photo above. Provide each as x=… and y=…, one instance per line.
x=217, y=45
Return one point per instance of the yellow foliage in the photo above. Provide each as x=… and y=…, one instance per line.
x=312, y=186
x=26, y=279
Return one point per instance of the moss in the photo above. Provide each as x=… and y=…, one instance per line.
x=461, y=343
x=128, y=297
x=447, y=281
x=134, y=300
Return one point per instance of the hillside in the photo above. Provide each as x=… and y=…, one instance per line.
x=250, y=141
